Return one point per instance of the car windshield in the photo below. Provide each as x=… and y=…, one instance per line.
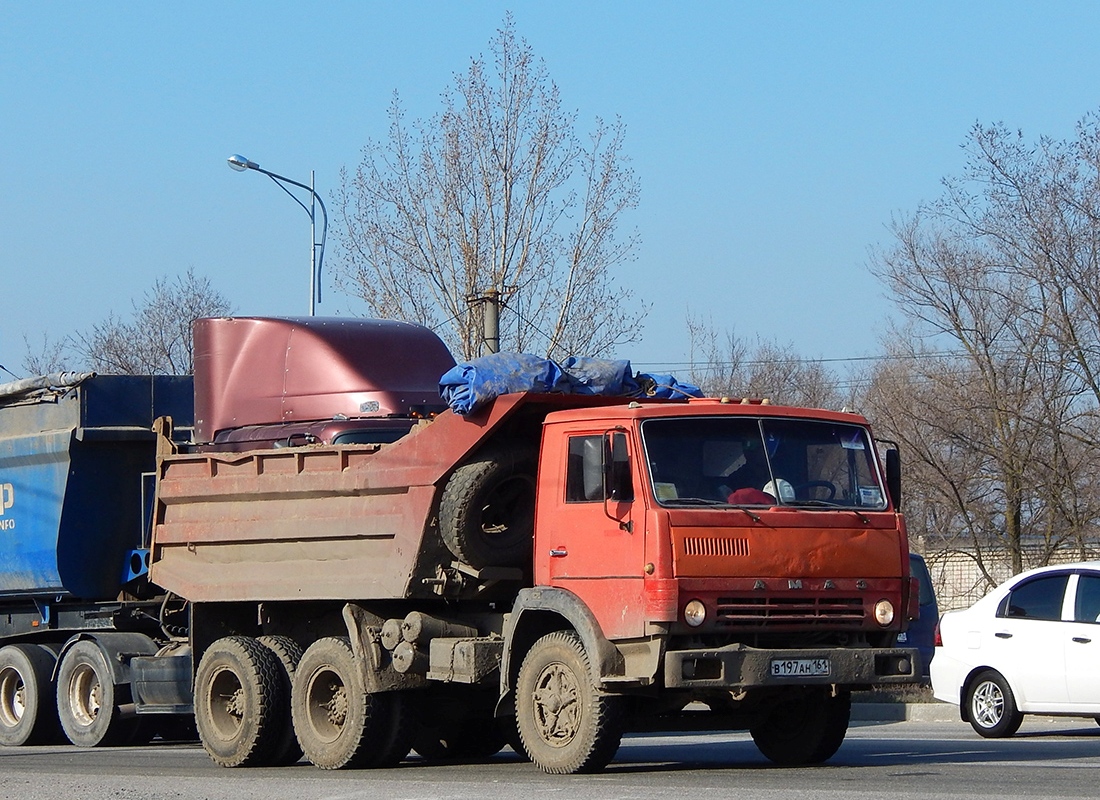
x=749, y=461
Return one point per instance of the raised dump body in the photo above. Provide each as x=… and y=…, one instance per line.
x=72, y=502
x=252, y=371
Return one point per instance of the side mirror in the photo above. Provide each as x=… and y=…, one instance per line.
x=617, y=481
x=893, y=477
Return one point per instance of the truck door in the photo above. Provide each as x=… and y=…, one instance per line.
x=586, y=539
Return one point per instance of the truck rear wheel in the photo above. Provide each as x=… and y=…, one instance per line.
x=238, y=698
x=88, y=701
x=339, y=724
x=566, y=724
x=805, y=729
x=28, y=710
x=487, y=513
x=288, y=653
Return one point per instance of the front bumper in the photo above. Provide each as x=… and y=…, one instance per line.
x=737, y=666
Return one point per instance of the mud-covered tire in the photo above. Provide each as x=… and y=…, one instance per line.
x=28, y=702
x=288, y=653
x=991, y=706
x=806, y=729
x=487, y=512
x=566, y=724
x=88, y=701
x=238, y=702
x=339, y=724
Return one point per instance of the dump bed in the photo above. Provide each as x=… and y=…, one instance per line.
x=71, y=465
x=325, y=522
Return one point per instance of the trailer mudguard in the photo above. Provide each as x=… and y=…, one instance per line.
x=118, y=648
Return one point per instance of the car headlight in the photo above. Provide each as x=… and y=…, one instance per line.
x=884, y=612
x=695, y=613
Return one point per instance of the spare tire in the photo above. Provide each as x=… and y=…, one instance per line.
x=487, y=513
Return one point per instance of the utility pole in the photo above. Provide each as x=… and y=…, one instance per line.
x=490, y=318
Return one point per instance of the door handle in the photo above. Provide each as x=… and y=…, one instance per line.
x=1003, y=635
x=1081, y=640
x=558, y=552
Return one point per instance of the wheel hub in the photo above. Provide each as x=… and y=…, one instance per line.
x=337, y=705
x=85, y=695
x=988, y=705
x=557, y=705
x=12, y=698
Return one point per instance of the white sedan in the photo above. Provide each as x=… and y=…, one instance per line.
x=1031, y=646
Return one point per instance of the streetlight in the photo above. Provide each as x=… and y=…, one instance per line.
x=316, y=256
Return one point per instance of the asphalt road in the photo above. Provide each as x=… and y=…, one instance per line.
x=1047, y=759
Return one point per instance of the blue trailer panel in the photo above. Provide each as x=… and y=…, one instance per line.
x=71, y=464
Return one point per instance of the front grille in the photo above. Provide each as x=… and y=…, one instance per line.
x=715, y=546
x=777, y=612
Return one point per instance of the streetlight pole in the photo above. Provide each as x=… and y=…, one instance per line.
x=316, y=249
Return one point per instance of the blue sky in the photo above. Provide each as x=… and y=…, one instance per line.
x=773, y=141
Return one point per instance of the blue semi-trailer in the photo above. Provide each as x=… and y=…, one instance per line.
x=77, y=466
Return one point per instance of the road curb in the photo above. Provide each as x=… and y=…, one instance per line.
x=905, y=712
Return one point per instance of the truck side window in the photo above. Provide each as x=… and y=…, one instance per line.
x=584, y=472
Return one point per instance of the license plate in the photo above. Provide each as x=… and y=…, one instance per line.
x=800, y=667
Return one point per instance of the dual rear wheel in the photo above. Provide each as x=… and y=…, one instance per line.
x=85, y=705
x=264, y=702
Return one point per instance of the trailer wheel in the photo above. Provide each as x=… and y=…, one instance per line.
x=487, y=512
x=28, y=709
x=288, y=653
x=88, y=701
x=238, y=695
x=567, y=725
x=806, y=729
x=339, y=724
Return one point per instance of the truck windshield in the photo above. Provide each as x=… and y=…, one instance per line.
x=748, y=461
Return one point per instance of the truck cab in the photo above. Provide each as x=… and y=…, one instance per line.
x=659, y=517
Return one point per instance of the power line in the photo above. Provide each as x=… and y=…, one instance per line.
x=764, y=361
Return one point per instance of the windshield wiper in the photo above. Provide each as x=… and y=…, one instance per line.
x=696, y=501
x=833, y=506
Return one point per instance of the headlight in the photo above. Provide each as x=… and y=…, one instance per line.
x=694, y=613
x=884, y=612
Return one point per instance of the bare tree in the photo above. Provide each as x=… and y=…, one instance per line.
x=1004, y=429
x=496, y=193
x=724, y=365
x=46, y=357
x=158, y=338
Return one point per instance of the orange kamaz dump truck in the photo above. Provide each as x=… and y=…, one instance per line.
x=548, y=572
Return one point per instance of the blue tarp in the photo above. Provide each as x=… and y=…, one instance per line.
x=470, y=385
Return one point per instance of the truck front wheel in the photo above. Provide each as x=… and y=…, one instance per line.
x=238, y=700
x=806, y=728
x=28, y=714
x=339, y=724
x=566, y=724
